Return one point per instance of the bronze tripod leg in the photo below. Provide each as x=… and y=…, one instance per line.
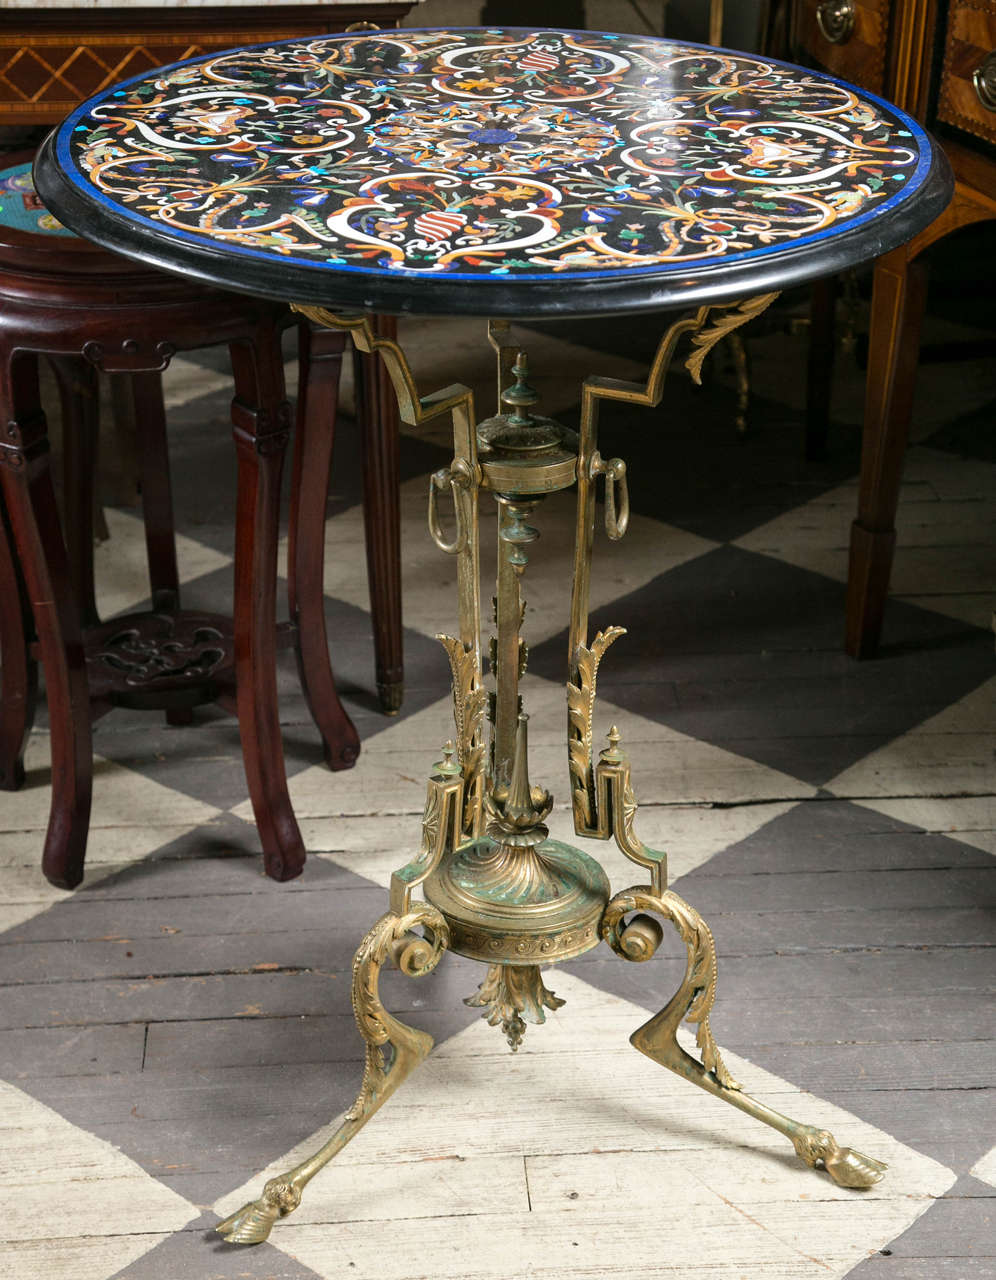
x=637, y=939
x=390, y=939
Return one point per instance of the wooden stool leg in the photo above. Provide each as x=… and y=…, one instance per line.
x=79, y=399
x=26, y=476
x=18, y=670
x=261, y=427
x=377, y=417
x=320, y=363
x=157, y=503
x=897, y=311
x=157, y=491
x=819, y=372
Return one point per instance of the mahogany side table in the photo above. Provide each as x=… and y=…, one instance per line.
x=85, y=310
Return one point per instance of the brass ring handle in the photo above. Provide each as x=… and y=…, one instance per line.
x=835, y=19
x=616, y=494
x=455, y=480
x=984, y=80
x=362, y=26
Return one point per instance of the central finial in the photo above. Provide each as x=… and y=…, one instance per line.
x=520, y=397
x=518, y=816
x=519, y=433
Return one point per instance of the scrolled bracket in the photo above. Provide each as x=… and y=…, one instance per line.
x=500, y=339
x=580, y=714
x=625, y=929
x=697, y=993
x=413, y=408
x=706, y=325
x=469, y=706
x=393, y=1051
x=602, y=795
x=617, y=807
x=462, y=477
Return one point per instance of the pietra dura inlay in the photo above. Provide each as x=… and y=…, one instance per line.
x=484, y=152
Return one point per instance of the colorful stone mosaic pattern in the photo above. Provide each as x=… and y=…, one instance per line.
x=20, y=206
x=493, y=153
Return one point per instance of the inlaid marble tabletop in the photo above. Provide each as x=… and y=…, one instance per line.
x=486, y=171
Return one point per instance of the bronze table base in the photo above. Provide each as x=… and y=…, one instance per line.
x=497, y=889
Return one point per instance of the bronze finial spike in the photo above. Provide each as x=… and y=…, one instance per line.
x=519, y=805
x=520, y=397
x=613, y=753
x=520, y=812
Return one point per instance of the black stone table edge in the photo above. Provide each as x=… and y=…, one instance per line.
x=321, y=285
x=406, y=293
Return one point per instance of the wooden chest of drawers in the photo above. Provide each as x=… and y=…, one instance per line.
x=849, y=38
x=936, y=59
x=52, y=56
x=967, y=98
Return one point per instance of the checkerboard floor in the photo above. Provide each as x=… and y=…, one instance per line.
x=180, y=1023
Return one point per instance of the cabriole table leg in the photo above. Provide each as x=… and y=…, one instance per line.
x=26, y=476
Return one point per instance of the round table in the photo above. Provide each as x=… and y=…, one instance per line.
x=493, y=172
x=506, y=173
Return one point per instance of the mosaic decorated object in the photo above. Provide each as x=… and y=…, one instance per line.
x=482, y=153
x=20, y=207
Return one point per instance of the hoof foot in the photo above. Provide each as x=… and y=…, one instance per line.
x=848, y=1168
x=851, y=1169
x=253, y=1222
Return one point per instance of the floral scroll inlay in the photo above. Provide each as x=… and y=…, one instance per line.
x=492, y=153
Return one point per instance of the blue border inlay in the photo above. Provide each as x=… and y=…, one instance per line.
x=685, y=266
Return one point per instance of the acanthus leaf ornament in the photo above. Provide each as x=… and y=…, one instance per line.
x=470, y=700
x=513, y=995
x=580, y=715
x=731, y=318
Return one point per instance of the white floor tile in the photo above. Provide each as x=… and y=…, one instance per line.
x=76, y=1206
x=131, y=816
x=946, y=535
x=121, y=798
x=985, y=1169
x=121, y=568
x=951, y=754
x=970, y=819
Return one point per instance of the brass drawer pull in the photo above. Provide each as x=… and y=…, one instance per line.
x=835, y=19
x=984, y=79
